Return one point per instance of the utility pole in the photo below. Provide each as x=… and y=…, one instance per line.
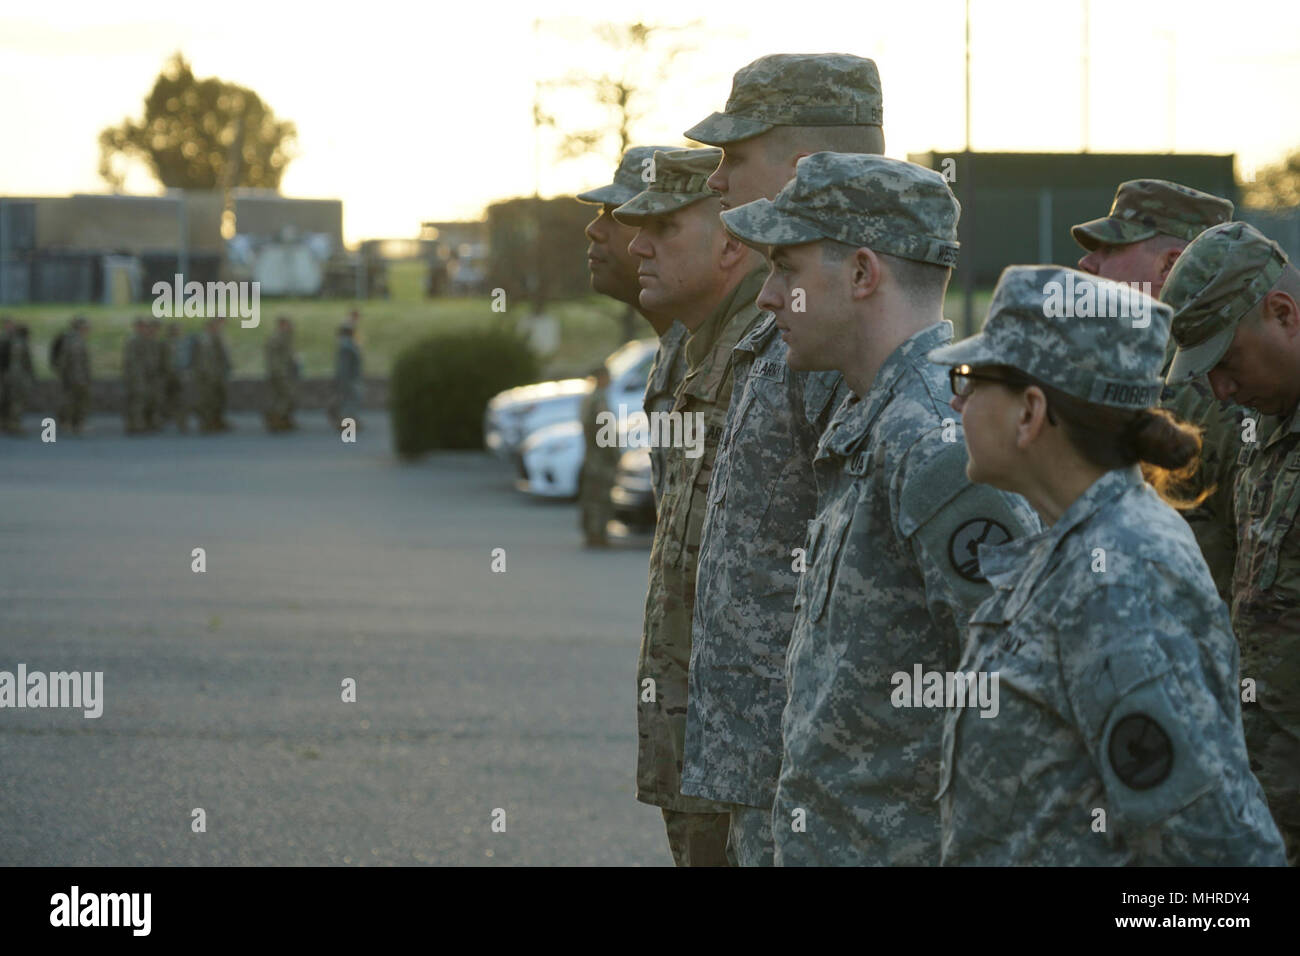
x=968, y=210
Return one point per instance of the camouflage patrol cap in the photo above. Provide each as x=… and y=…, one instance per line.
x=679, y=179
x=1220, y=277
x=1034, y=326
x=795, y=89
x=860, y=199
x=1147, y=207
x=633, y=175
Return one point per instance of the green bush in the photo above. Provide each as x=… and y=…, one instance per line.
x=440, y=386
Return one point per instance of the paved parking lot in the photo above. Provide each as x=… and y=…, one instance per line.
x=475, y=691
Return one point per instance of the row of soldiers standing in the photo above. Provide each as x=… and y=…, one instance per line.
x=168, y=376
x=843, y=534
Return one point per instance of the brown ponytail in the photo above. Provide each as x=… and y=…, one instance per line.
x=1168, y=450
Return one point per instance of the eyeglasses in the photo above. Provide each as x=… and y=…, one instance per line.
x=962, y=378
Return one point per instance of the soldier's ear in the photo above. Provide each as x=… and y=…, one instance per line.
x=1283, y=308
x=865, y=274
x=1165, y=261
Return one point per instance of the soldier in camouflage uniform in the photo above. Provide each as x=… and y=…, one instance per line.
x=170, y=387
x=764, y=490
x=1114, y=732
x=348, y=382
x=72, y=368
x=1150, y=222
x=599, y=463
x=1237, y=319
x=281, y=375
x=211, y=364
x=613, y=273
x=867, y=244
x=20, y=379
x=693, y=270
x=136, y=378
x=7, y=326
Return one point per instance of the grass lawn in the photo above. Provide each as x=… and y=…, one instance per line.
x=590, y=327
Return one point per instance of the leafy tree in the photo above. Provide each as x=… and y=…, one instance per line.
x=200, y=134
x=1274, y=186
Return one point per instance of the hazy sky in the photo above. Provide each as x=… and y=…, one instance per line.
x=419, y=111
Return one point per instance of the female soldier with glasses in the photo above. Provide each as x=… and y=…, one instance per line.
x=1118, y=737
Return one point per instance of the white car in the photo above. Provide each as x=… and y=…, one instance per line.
x=513, y=415
x=550, y=459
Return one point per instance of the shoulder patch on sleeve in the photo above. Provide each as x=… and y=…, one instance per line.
x=1141, y=754
x=963, y=544
x=935, y=474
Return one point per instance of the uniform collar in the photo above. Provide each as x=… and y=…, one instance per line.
x=854, y=418
x=701, y=343
x=1017, y=565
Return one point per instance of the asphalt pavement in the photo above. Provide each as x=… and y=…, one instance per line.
x=482, y=697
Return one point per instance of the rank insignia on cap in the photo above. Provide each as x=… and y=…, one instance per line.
x=963, y=546
x=1140, y=752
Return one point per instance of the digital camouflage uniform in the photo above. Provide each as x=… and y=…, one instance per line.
x=1143, y=209
x=72, y=368
x=1217, y=281
x=762, y=495
x=211, y=372
x=704, y=394
x=281, y=372
x=666, y=373
x=1117, y=735
x=890, y=578
x=137, y=381
x=599, y=463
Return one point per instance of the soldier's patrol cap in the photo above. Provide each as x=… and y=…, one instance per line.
x=1147, y=207
x=1033, y=328
x=795, y=89
x=632, y=176
x=679, y=180
x=861, y=199
x=1220, y=277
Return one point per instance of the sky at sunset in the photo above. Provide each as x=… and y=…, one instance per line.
x=411, y=112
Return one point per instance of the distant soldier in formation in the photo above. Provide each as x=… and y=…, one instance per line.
x=348, y=384
x=135, y=379
x=173, y=371
x=159, y=368
x=70, y=361
x=598, y=464
x=211, y=372
x=19, y=379
x=281, y=377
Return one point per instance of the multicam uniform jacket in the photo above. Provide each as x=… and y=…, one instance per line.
x=666, y=373
x=666, y=643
